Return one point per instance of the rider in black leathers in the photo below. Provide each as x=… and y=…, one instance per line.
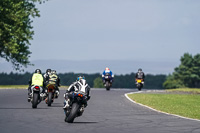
x=46, y=75
x=140, y=75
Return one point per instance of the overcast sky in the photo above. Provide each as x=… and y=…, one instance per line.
x=117, y=29
x=136, y=30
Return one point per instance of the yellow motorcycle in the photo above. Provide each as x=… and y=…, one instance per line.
x=139, y=84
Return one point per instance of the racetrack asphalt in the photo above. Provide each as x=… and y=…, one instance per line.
x=107, y=112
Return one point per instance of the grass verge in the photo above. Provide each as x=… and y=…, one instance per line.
x=187, y=105
x=190, y=90
x=22, y=87
x=13, y=86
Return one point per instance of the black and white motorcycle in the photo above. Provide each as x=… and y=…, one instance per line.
x=77, y=103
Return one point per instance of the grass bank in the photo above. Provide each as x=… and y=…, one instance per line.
x=187, y=105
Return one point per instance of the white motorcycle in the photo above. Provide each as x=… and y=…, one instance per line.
x=36, y=95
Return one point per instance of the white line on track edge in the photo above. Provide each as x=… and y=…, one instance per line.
x=126, y=95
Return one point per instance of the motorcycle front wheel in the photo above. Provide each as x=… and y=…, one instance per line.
x=139, y=87
x=107, y=86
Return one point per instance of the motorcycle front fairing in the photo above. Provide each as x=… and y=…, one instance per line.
x=108, y=77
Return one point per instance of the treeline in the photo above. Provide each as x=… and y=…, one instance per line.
x=120, y=81
x=187, y=74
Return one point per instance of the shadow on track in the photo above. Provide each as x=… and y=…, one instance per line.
x=56, y=106
x=84, y=122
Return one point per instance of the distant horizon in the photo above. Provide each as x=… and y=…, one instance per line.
x=96, y=66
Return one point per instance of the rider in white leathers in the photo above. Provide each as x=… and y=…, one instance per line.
x=79, y=85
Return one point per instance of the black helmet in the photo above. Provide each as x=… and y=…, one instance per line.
x=48, y=70
x=140, y=69
x=38, y=71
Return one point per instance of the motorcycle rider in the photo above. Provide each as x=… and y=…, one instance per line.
x=140, y=75
x=75, y=87
x=37, y=79
x=46, y=75
x=53, y=78
x=107, y=71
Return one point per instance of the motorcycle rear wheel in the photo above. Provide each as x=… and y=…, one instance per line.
x=49, y=101
x=35, y=100
x=70, y=118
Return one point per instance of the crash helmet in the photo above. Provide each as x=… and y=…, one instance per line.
x=38, y=71
x=140, y=70
x=107, y=69
x=48, y=70
x=80, y=77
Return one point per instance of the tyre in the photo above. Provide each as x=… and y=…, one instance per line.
x=107, y=86
x=35, y=100
x=139, y=87
x=49, y=101
x=70, y=118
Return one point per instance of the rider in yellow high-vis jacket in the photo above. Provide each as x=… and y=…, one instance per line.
x=37, y=79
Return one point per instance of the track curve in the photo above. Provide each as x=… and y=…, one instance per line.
x=107, y=111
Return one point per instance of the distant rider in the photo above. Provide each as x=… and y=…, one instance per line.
x=46, y=78
x=75, y=87
x=105, y=72
x=54, y=79
x=140, y=75
x=37, y=79
x=46, y=75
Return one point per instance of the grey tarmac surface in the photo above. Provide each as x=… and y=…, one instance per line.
x=107, y=112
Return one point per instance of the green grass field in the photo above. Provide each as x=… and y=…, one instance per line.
x=187, y=105
x=21, y=87
x=13, y=86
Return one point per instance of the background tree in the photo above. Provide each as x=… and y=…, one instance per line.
x=16, y=30
x=98, y=83
x=196, y=70
x=171, y=83
x=187, y=74
x=94, y=80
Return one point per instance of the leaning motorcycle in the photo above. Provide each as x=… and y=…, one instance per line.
x=108, y=83
x=51, y=95
x=139, y=84
x=76, y=108
x=36, y=95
